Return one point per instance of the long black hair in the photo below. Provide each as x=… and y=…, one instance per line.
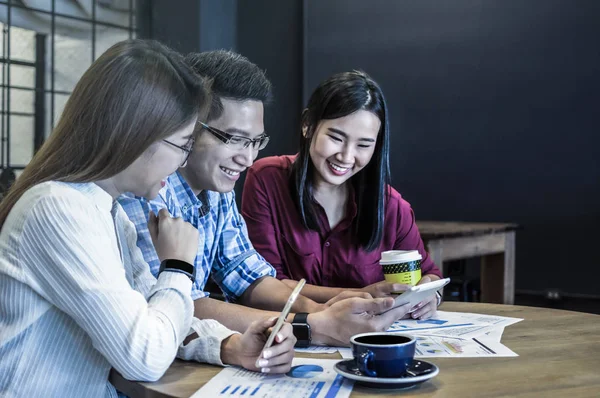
x=341, y=95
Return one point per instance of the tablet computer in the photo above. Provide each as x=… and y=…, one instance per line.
x=418, y=293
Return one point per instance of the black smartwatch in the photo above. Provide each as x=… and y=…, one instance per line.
x=301, y=329
x=182, y=267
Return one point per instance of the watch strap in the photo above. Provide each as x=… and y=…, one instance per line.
x=173, y=265
x=301, y=329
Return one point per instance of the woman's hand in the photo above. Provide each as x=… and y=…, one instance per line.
x=246, y=349
x=173, y=238
x=426, y=308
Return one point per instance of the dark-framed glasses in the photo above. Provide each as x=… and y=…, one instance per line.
x=187, y=148
x=237, y=142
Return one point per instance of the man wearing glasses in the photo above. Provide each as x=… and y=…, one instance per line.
x=202, y=194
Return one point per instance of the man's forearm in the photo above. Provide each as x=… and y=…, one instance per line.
x=234, y=316
x=319, y=294
x=271, y=294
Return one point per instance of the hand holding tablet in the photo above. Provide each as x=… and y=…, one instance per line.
x=416, y=294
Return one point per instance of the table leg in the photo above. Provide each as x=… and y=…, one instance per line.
x=498, y=274
x=436, y=252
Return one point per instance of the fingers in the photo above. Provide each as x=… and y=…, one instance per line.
x=286, y=346
x=425, y=279
x=348, y=294
x=425, y=313
x=278, y=358
x=153, y=227
x=425, y=307
x=155, y=222
x=285, y=333
x=282, y=368
x=267, y=323
x=397, y=287
x=163, y=216
x=375, y=306
x=432, y=300
x=277, y=364
x=384, y=321
x=261, y=327
x=354, y=293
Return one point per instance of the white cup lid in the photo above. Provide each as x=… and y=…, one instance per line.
x=400, y=256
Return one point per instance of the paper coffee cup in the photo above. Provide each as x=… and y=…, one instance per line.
x=401, y=266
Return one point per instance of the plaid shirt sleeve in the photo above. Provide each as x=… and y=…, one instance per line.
x=237, y=265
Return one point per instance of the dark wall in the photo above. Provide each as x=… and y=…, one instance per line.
x=269, y=33
x=493, y=104
x=493, y=115
x=189, y=25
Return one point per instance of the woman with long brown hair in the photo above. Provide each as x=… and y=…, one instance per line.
x=76, y=297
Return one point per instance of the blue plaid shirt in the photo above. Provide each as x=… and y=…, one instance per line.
x=224, y=250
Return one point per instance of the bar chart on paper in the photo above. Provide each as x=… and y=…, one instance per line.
x=308, y=378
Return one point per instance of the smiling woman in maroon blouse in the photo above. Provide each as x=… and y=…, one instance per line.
x=327, y=213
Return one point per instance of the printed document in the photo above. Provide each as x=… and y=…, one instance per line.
x=314, y=378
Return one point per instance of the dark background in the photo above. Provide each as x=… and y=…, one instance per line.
x=493, y=104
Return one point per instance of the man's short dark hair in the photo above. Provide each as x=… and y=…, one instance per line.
x=233, y=77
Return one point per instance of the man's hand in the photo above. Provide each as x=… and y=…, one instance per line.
x=346, y=294
x=336, y=324
x=384, y=289
x=426, y=308
x=246, y=349
x=376, y=290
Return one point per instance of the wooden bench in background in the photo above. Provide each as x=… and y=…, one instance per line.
x=493, y=242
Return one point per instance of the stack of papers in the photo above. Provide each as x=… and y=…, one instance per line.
x=308, y=377
x=450, y=334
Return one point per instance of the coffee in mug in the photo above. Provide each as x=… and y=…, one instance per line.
x=383, y=354
x=401, y=266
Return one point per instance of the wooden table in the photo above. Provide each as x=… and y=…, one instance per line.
x=559, y=356
x=494, y=243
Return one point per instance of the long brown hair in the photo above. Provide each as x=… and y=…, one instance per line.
x=136, y=93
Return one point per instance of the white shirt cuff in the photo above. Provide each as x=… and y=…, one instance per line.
x=207, y=346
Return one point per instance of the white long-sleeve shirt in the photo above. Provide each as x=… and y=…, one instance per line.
x=68, y=312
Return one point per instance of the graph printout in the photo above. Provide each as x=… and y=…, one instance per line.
x=308, y=378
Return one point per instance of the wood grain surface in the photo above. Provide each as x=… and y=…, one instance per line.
x=559, y=356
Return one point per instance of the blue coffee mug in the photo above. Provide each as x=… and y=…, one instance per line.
x=383, y=354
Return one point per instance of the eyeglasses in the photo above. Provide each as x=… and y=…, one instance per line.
x=187, y=149
x=237, y=141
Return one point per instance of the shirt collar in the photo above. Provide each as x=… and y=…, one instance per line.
x=185, y=195
x=351, y=212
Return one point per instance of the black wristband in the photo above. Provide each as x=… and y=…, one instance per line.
x=301, y=330
x=180, y=266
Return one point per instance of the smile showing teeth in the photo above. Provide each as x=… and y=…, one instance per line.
x=230, y=172
x=338, y=168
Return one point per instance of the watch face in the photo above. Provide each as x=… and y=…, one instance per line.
x=302, y=333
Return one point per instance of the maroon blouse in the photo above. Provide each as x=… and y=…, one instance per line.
x=327, y=257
